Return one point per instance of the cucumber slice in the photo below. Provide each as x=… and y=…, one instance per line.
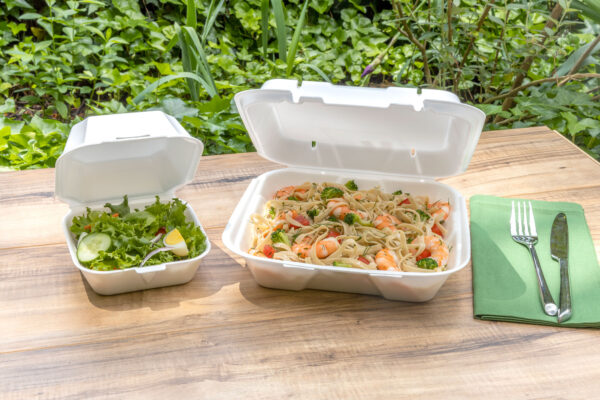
x=91, y=245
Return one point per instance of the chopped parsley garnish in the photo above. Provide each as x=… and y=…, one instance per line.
x=424, y=216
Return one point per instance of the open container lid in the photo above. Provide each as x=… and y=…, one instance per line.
x=138, y=154
x=392, y=131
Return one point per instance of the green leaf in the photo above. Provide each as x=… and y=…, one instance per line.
x=10, y=4
x=568, y=97
x=163, y=68
x=8, y=106
x=44, y=126
x=280, y=31
x=28, y=16
x=47, y=27
x=191, y=17
x=177, y=108
x=130, y=8
x=215, y=105
x=195, y=58
x=14, y=126
x=166, y=79
x=576, y=126
x=62, y=109
x=318, y=70
x=295, y=39
x=571, y=122
x=321, y=6
x=358, y=6
x=211, y=17
x=264, y=25
x=489, y=109
x=574, y=58
x=590, y=8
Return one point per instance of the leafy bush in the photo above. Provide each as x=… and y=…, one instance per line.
x=524, y=63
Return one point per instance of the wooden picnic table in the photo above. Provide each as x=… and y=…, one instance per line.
x=223, y=336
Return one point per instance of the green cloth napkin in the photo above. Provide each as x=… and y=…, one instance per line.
x=504, y=281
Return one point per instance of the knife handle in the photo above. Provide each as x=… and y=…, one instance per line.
x=547, y=300
x=564, y=311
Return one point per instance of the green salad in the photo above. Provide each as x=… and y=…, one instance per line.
x=121, y=238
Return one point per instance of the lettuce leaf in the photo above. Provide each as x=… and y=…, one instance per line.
x=121, y=209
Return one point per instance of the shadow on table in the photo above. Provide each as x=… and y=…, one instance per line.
x=217, y=270
x=364, y=310
x=342, y=311
x=312, y=300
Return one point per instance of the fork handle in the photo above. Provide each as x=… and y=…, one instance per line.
x=550, y=307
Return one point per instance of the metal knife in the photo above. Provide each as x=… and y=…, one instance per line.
x=559, y=248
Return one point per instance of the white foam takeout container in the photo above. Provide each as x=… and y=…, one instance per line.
x=142, y=155
x=394, y=138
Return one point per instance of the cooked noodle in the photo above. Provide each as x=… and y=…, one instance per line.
x=332, y=224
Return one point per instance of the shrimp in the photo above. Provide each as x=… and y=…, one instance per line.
x=386, y=260
x=289, y=191
x=284, y=193
x=301, y=193
x=340, y=208
x=442, y=210
x=326, y=247
x=438, y=249
x=302, y=249
x=386, y=221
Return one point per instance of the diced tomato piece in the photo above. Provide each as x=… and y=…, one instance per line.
x=424, y=254
x=161, y=230
x=88, y=227
x=362, y=259
x=334, y=234
x=115, y=215
x=268, y=251
x=302, y=219
x=405, y=201
x=436, y=229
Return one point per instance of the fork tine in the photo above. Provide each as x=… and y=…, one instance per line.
x=520, y=231
x=513, y=221
x=532, y=221
x=525, y=221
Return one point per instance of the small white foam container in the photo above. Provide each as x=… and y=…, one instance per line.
x=143, y=155
x=394, y=138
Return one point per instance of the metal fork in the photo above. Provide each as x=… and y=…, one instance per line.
x=526, y=235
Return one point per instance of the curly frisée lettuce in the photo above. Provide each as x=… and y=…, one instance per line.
x=131, y=233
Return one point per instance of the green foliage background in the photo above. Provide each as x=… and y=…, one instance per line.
x=61, y=61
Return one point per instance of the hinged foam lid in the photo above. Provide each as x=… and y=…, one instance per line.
x=392, y=130
x=136, y=154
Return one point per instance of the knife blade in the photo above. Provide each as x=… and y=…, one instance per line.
x=559, y=248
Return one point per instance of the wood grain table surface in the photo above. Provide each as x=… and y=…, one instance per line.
x=222, y=336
